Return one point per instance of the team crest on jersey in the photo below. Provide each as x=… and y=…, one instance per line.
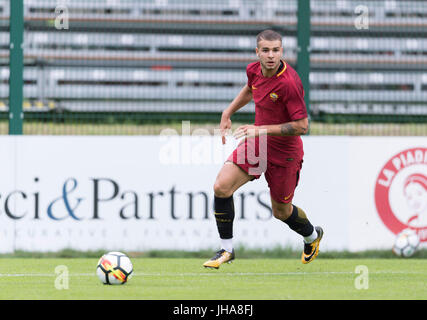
x=274, y=96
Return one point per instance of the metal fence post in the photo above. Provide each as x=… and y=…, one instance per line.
x=16, y=67
x=303, y=57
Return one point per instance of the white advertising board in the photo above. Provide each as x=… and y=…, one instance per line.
x=156, y=192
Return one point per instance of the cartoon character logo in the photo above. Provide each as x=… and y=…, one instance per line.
x=415, y=191
x=401, y=192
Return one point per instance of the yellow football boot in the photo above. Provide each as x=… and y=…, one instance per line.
x=311, y=250
x=219, y=258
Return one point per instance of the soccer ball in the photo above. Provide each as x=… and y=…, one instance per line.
x=406, y=243
x=114, y=268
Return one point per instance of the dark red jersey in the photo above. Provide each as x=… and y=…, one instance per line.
x=278, y=99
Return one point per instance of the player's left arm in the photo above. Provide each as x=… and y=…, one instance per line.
x=292, y=128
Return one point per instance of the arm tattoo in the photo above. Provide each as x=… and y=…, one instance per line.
x=287, y=129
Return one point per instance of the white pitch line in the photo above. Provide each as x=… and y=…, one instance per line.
x=244, y=274
x=213, y=273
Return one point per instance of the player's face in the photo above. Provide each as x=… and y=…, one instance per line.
x=269, y=54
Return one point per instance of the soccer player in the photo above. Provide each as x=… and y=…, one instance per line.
x=272, y=146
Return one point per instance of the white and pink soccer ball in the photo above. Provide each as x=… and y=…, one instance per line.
x=114, y=268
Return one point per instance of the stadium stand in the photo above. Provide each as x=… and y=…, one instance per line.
x=154, y=55
x=172, y=90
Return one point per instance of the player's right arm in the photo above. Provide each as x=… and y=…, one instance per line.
x=242, y=99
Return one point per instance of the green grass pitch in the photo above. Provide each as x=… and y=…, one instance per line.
x=244, y=279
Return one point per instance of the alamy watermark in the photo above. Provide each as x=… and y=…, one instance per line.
x=362, y=280
x=61, y=16
x=62, y=280
x=194, y=148
x=361, y=22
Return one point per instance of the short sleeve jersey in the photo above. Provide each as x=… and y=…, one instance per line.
x=278, y=99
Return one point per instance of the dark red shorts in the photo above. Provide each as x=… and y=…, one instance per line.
x=282, y=180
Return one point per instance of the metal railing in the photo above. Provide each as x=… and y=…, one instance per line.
x=170, y=56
